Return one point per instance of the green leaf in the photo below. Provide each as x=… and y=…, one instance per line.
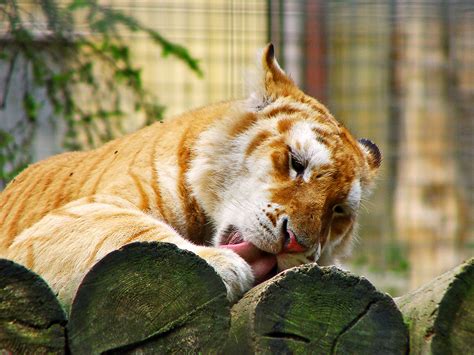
x=119, y=52
x=79, y=4
x=31, y=107
x=22, y=36
x=5, y=138
x=396, y=258
x=114, y=17
x=39, y=72
x=86, y=73
x=131, y=76
x=170, y=48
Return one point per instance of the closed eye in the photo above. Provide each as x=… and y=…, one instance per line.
x=298, y=166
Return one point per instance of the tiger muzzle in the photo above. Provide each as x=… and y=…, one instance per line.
x=291, y=244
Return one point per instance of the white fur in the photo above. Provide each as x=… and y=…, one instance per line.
x=255, y=86
x=354, y=196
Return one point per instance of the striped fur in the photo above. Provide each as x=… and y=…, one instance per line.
x=185, y=181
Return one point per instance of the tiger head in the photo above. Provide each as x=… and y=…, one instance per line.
x=280, y=172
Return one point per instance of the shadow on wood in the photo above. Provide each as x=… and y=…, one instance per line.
x=31, y=318
x=152, y=298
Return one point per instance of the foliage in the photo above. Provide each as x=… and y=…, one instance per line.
x=72, y=53
x=396, y=258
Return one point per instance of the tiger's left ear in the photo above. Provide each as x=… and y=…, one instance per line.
x=272, y=82
x=372, y=153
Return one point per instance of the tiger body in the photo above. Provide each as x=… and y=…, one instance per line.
x=275, y=170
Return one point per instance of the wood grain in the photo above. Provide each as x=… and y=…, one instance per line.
x=317, y=310
x=149, y=298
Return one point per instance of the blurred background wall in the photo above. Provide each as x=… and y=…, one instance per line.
x=400, y=73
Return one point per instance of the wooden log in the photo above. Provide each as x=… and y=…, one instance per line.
x=151, y=298
x=317, y=310
x=440, y=315
x=31, y=319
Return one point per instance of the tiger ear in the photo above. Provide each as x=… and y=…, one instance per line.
x=371, y=152
x=275, y=79
x=272, y=82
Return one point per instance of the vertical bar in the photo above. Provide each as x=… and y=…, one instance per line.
x=269, y=21
x=281, y=30
x=315, y=50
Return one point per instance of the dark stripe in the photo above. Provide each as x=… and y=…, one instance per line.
x=154, y=180
x=280, y=159
x=138, y=234
x=257, y=141
x=11, y=191
x=106, y=167
x=144, y=202
x=5, y=198
x=317, y=106
x=194, y=216
x=243, y=124
x=12, y=230
x=113, y=215
x=97, y=247
x=282, y=110
x=60, y=193
x=284, y=125
x=30, y=259
x=324, y=137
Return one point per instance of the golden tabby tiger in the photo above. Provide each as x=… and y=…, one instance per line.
x=268, y=182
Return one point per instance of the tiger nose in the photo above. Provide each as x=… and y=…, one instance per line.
x=290, y=242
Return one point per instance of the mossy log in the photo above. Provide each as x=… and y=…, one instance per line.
x=440, y=315
x=317, y=310
x=31, y=319
x=150, y=298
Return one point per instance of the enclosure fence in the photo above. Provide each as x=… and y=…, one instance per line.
x=400, y=73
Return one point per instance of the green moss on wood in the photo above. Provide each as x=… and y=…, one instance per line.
x=317, y=310
x=31, y=318
x=149, y=297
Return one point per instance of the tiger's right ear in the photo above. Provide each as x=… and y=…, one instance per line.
x=272, y=82
x=371, y=152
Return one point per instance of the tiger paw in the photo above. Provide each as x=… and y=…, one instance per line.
x=234, y=271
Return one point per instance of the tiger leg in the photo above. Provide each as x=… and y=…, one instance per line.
x=67, y=242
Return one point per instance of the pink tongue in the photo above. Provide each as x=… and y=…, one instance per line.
x=262, y=263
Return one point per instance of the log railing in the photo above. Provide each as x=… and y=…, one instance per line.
x=156, y=298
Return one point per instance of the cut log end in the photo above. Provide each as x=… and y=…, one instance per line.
x=317, y=310
x=149, y=297
x=440, y=315
x=31, y=319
